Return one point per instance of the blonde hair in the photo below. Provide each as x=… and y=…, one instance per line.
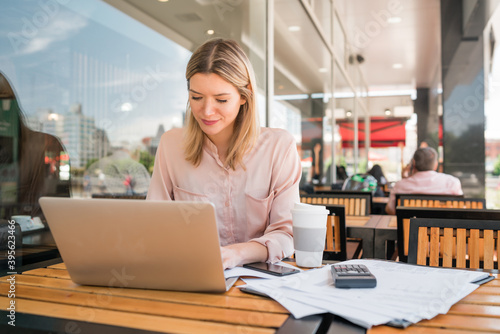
x=225, y=58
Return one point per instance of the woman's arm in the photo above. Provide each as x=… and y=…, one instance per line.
x=242, y=253
x=276, y=241
x=286, y=172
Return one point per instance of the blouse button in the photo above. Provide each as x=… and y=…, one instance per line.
x=227, y=203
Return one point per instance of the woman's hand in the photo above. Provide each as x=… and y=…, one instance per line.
x=229, y=257
x=240, y=254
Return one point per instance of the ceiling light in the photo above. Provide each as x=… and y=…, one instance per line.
x=127, y=106
x=397, y=66
x=163, y=0
x=394, y=19
x=323, y=70
x=348, y=114
x=281, y=87
x=387, y=112
x=293, y=28
x=291, y=97
x=210, y=32
x=53, y=117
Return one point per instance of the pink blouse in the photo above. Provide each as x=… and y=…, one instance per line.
x=252, y=204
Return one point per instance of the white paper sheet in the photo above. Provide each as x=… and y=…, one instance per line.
x=403, y=292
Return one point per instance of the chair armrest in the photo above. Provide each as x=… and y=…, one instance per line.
x=6, y=231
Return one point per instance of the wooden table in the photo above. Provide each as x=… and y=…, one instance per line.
x=46, y=299
x=378, y=205
x=363, y=227
x=385, y=236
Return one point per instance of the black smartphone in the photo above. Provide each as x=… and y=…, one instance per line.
x=270, y=268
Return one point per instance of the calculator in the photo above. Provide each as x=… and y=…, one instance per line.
x=352, y=276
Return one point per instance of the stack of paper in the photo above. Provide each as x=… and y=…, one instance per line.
x=404, y=293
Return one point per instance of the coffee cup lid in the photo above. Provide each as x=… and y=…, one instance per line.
x=314, y=209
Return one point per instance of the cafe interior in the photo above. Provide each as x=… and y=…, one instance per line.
x=87, y=88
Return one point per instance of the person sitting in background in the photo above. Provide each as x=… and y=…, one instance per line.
x=341, y=173
x=378, y=174
x=317, y=162
x=424, y=179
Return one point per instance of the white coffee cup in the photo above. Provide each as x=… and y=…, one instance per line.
x=309, y=233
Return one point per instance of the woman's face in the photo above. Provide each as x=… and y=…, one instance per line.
x=215, y=103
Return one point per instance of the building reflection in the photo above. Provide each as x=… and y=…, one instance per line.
x=32, y=164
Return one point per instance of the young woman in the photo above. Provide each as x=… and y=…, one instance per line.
x=250, y=174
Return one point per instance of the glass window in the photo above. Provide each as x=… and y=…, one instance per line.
x=322, y=10
x=87, y=89
x=64, y=74
x=344, y=113
x=339, y=40
x=114, y=101
x=302, y=82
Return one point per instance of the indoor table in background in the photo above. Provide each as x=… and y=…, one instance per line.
x=378, y=205
x=363, y=227
x=386, y=234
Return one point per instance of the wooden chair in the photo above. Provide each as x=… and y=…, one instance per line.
x=439, y=201
x=405, y=213
x=341, y=193
x=462, y=243
x=336, y=236
x=431, y=201
x=355, y=204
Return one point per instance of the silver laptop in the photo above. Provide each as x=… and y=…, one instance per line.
x=166, y=245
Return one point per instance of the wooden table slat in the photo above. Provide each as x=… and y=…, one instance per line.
x=63, y=274
x=477, y=298
x=58, y=266
x=48, y=272
x=460, y=322
x=416, y=330
x=161, y=308
x=218, y=300
x=357, y=220
x=490, y=290
x=127, y=319
x=475, y=310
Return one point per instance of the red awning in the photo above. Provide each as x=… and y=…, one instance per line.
x=384, y=132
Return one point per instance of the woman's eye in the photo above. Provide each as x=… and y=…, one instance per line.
x=196, y=98
x=221, y=101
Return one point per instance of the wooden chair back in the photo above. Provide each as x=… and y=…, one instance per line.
x=456, y=243
x=439, y=201
x=336, y=235
x=355, y=204
x=405, y=213
x=432, y=201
